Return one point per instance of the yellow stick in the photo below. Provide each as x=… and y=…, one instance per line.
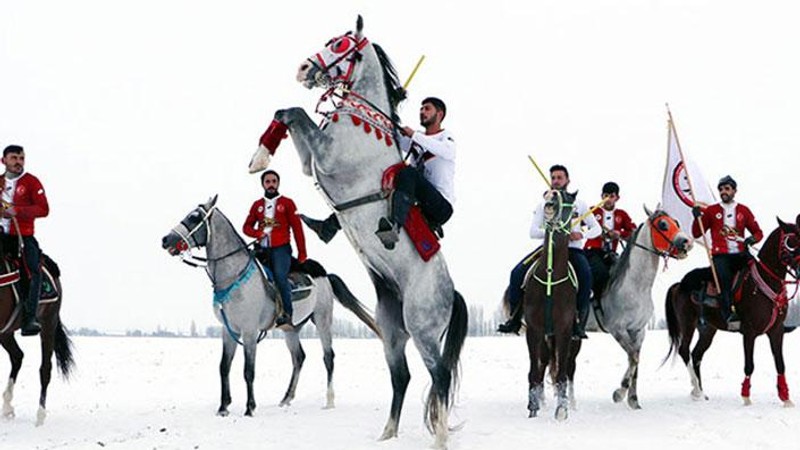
x=538, y=169
x=587, y=213
x=413, y=72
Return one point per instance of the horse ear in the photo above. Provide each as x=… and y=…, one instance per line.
x=783, y=225
x=797, y=221
x=212, y=201
x=647, y=210
x=359, y=25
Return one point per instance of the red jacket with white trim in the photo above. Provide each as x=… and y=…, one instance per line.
x=622, y=224
x=286, y=222
x=29, y=202
x=713, y=219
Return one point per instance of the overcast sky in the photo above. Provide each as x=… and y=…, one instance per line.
x=132, y=113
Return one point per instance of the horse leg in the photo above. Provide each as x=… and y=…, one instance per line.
x=15, y=354
x=47, y=339
x=776, y=345
x=250, y=346
x=394, y=349
x=704, y=339
x=749, y=341
x=538, y=356
x=624, y=341
x=562, y=351
x=309, y=141
x=575, y=348
x=637, y=338
x=292, y=340
x=228, y=351
x=327, y=356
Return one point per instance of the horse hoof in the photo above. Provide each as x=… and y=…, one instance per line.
x=387, y=435
x=619, y=394
x=285, y=402
x=40, y=416
x=223, y=413
x=532, y=414
x=747, y=401
x=788, y=404
x=633, y=403
x=329, y=406
x=561, y=413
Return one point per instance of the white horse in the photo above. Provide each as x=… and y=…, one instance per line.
x=244, y=300
x=347, y=156
x=627, y=302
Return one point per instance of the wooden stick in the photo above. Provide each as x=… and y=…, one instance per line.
x=538, y=169
x=413, y=72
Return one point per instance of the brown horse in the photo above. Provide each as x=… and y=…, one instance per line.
x=53, y=335
x=549, y=304
x=762, y=309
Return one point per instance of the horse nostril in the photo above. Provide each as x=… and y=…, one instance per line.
x=304, y=67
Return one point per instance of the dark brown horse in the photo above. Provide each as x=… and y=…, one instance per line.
x=549, y=304
x=762, y=309
x=53, y=335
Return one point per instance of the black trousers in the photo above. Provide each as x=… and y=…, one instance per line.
x=727, y=265
x=434, y=206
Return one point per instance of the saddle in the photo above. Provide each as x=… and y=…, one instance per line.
x=301, y=277
x=702, y=290
x=417, y=227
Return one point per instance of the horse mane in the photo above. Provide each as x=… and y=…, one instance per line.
x=624, y=260
x=394, y=89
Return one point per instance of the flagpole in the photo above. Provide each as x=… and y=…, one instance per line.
x=671, y=130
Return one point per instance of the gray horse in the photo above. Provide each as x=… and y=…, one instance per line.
x=347, y=156
x=626, y=303
x=244, y=300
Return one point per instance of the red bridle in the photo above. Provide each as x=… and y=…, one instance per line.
x=337, y=52
x=664, y=239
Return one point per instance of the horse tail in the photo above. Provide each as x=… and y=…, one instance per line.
x=63, y=349
x=349, y=301
x=456, y=335
x=672, y=322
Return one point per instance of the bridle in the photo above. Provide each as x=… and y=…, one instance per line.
x=663, y=246
x=345, y=48
x=556, y=223
x=189, y=241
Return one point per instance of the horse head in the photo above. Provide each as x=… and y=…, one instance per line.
x=789, y=242
x=335, y=63
x=558, y=208
x=192, y=231
x=666, y=234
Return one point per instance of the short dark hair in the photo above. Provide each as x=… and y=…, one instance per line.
x=13, y=149
x=611, y=188
x=559, y=167
x=437, y=103
x=268, y=172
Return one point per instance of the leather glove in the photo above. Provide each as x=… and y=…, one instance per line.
x=749, y=240
x=697, y=212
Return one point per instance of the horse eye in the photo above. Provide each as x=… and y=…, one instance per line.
x=663, y=225
x=340, y=46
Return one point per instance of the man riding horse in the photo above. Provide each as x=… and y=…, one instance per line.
x=559, y=180
x=24, y=201
x=727, y=222
x=601, y=252
x=428, y=179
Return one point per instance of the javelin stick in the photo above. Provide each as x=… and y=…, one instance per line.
x=538, y=169
x=670, y=130
x=588, y=212
x=413, y=72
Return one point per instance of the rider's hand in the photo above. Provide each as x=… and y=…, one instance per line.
x=749, y=240
x=9, y=212
x=613, y=234
x=697, y=212
x=302, y=257
x=575, y=236
x=406, y=131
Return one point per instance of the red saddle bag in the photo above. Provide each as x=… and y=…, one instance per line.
x=424, y=239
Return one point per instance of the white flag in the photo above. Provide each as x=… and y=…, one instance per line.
x=676, y=196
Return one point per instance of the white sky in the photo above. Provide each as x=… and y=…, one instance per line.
x=132, y=113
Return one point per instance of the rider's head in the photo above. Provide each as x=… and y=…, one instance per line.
x=727, y=188
x=610, y=195
x=270, y=181
x=14, y=159
x=432, y=112
x=559, y=177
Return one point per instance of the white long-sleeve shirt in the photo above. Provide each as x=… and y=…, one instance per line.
x=438, y=151
x=593, y=228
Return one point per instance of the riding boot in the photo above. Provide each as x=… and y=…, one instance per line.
x=513, y=324
x=388, y=230
x=579, y=329
x=325, y=229
x=30, y=327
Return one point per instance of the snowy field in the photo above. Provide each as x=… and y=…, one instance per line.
x=153, y=393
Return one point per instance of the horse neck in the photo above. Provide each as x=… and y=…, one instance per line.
x=639, y=262
x=222, y=243
x=560, y=253
x=368, y=81
x=768, y=255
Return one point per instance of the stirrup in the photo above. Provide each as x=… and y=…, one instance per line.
x=31, y=328
x=510, y=326
x=387, y=233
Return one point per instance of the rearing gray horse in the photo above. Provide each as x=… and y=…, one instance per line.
x=244, y=300
x=347, y=156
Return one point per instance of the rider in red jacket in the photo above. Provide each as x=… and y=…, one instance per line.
x=24, y=201
x=271, y=221
x=727, y=222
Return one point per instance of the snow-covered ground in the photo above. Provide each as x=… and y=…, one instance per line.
x=152, y=393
